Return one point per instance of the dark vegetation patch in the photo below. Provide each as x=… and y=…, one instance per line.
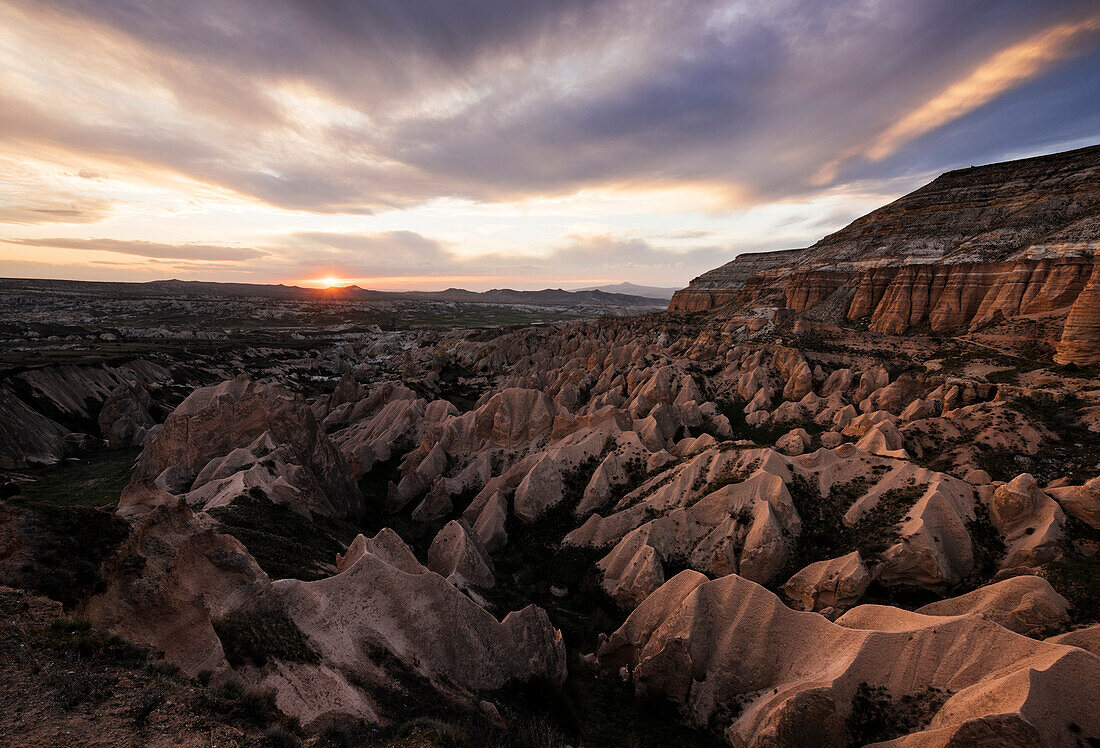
x=1078, y=580
x=729, y=475
x=408, y=693
x=636, y=475
x=765, y=435
x=1027, y=356
x=250, y=635
x=242, y=705
x=877, y=716
x=453, y=385
x=988, y=543
x=64, y=547
x=374, y=486
x=668, y=474
x=824, y=534
x=96, y=480
x=590, y=711
x=285, y=544
x=471, y=731
x=605, y=713
x=1003, y=376
x=1072, y=452
x=534, y=560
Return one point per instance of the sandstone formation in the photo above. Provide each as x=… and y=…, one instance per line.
x=422, y=622
x=241, y=435
x=1027, y=605
x=835, y=583
x=172, y=578
x=700, y=644
x=27, y=437
x=125, y=419
x=762, y=492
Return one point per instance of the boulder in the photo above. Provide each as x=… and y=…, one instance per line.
x=1082, y=502
x=490, y=526
x=794, y=442
x=1030, y=520
x=837, y=583
x=170, y=581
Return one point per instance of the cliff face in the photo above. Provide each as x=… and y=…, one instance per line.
x=727, y=284
x=972, y=247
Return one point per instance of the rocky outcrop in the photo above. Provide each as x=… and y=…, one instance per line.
x=125, y=419
x=457, y=555
x=419, y=628
x=724, y=285
x=27, y=437
x=1026, y=604
x=240, y=435
x=170, y=581
x=835, y=584
x=1030, y=521
x=741, y=511
x=731, y=655
x=1080, y=342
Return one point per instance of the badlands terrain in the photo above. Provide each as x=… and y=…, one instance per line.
x=841, y=495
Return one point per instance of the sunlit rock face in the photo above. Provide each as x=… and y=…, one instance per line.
x=973, y=247
x=728, y=652
x=733, y=282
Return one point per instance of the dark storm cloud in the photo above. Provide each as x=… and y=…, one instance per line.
x=501, y=99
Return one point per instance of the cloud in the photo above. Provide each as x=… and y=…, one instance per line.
x=363, y=106
x=55, y=210
x=406, y=254
x=309, y=128
x=1006, y=69
x=145, y=249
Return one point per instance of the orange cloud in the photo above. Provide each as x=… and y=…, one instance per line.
x=1007, y=68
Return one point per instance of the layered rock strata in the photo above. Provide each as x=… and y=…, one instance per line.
x=973, y=247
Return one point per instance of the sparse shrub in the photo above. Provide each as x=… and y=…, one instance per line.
x=250, y=636
x=147, y=702
x=877, y=716
x=279, y=736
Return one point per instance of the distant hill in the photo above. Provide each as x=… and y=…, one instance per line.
x=633, y=289
x=546, y=297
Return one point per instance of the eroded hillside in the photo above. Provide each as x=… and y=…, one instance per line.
x=642, y=530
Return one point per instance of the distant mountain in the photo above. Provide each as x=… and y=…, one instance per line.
x=633, y=289
x=547, y=297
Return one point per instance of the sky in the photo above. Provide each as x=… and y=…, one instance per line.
x=427, y=144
